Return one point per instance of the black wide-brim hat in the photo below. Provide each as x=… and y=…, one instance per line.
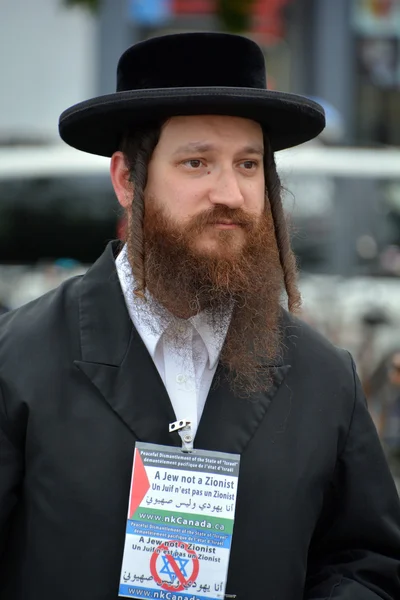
x=190, y=74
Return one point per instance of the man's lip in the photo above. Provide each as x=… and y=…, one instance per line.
x=225, y=225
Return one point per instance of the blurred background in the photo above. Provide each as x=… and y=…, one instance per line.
x=342, y=191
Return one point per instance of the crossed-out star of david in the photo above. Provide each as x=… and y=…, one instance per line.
x=168, y=570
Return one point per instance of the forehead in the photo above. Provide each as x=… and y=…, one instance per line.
x=216, y=129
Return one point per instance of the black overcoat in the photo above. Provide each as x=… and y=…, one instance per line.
x=317, y=512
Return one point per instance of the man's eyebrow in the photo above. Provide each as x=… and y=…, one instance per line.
x=195, y=147
x=250, y=149
x=205, y=147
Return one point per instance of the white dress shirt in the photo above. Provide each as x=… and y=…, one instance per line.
x=185, y=351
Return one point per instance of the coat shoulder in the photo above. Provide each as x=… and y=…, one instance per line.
x=309, y=348
x=322, y=377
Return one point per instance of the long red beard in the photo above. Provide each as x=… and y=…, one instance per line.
x=249, y=278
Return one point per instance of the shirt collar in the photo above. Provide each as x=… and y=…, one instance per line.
x=152, y=331
x=149, y=329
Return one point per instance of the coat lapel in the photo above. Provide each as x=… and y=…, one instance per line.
x=115, y=359
x=229, y=422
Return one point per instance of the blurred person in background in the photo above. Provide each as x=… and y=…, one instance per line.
x=391, y=429
x=185, y=321
x=385, y=408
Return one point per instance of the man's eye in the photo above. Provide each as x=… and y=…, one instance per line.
x=249, y=164
x=193, y=163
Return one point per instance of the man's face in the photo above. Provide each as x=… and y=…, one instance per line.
x=209, y=240
x=207, y=163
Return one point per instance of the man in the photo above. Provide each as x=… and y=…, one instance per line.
x=185, y=322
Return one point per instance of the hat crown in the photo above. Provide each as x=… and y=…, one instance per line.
x=190, y=74
x=195, y=60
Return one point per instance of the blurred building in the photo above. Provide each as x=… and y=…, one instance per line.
x=348, y=52
x=47, y=58
x=344, y=52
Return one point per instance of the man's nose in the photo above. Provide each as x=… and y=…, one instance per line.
x=226, y=190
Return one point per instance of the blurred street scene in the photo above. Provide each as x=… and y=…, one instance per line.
x=341, y=192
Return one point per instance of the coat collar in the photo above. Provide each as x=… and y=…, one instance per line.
x=115, y=358
x=116, y=361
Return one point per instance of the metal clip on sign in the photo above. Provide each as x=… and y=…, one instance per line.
x=184, y=428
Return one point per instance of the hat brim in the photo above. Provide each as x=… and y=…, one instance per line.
x=97, y=126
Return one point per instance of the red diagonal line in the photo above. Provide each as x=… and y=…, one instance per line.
x=176, y=569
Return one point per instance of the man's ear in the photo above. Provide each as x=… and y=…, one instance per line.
x=120, y=179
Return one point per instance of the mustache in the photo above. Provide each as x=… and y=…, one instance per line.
x=236, y=216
